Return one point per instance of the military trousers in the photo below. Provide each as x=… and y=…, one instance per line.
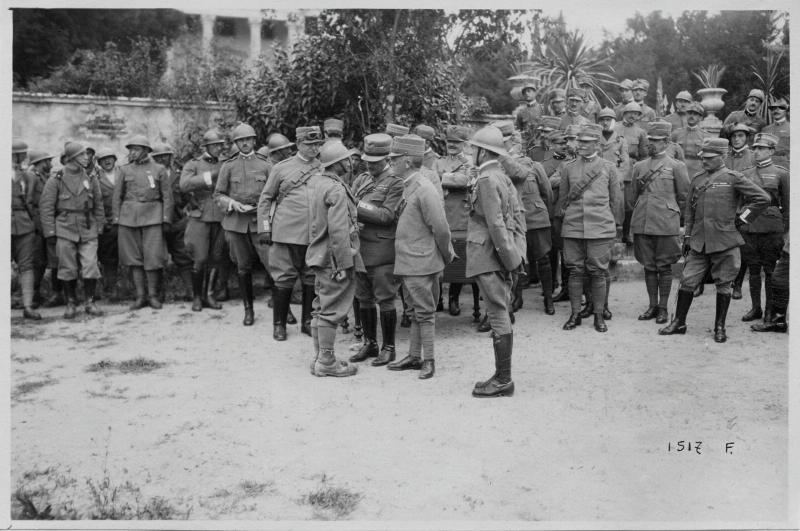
x=76, y=258
x=538, y=243
x=176, y=247
x=761, y=248
x=205, y=242
x=142, y=247
x=724, y=266
x=333, y=298
x=422, y=295
x=287, y=262
x=245, y=250
x=495, y=288
x=656, y=252
x=23, y=251
x=108, y=246
x=588, y=256
x=377, y=285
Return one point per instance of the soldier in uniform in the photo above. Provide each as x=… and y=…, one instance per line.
x=747, y=116
x=636, y=140
x=239, y=184
x=142, y=209
x=660, y=185
x=711, y=240
x=204, y=237
x=278, y=148
x=422, y=249
x=573, y=115
x=71, y=209
x=492, y=253
x=678, y=118
x=640, y=88
x=588, y=207
x=590, y=108
x=691, y=137
x=333, y=248
x=454, y=170
x=284, y=224
x=626, y=97
x=378, y=193
x=39, y=165
x=528, y=116
x=547, y=125
x=23, y=227
x=333, y=129
x=779, y=108
x=174, y=237
x=108, y=248
x=763, y=238
x=613, y=146
x=740, y=157
x=558, y=103
x=428, y=133
x=780, y=295
x=552, y=167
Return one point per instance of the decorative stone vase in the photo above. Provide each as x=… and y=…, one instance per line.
x=711, y=100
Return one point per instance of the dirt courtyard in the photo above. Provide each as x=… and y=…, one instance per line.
x=218, y=421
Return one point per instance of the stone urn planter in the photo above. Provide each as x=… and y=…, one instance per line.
x=711, y=100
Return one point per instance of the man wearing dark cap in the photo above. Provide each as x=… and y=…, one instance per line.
x=678, y=118
x=636, y=140
x=283, y=223
x=763, y=238
x=588, y=207
x=640, y=88
x=573, y=115
x=691, y=137
x=547, y=125
x=626, y=97
x=748, y=116
x=378, y=193
x=711, y=240
x=780, y=127
x=558, y=103
x=278, y=148
x=660, y=185
x=422, y=249
x=428, y=133
x=590, y=108
x=528, y=115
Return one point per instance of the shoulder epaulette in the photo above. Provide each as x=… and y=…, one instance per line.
x=784, y=168
x=569, y=161
x=698, y=174
x=262, y=156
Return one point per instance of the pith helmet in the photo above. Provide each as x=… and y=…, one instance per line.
x=333, y=152
x=242, y=131
x=139, y=140
x=489, y=138
x=606, y=112
x=277, y=141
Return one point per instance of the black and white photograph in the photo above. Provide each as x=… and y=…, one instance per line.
x=389, y=266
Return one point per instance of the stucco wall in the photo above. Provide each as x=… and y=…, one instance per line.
x=46, y=121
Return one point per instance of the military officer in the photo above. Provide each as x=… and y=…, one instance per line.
x=395, y=130
x=422, y=249
x=108, y=248
x=748, y=116
x=547, y=125
x=640, y=88
x=613, y=146
x=239, y=184
x=711, y=239
x=558, y=103
x=142, y=209
x=278, y=148
x=740, y=157
x=174, y=237
x=660, y=185
x=23, y=226
x=691, y=137
x=39, y=165
x=573, y=115
x=588, y=207
x=378, y=193
x=333, y=128
x=636, y=140
x=763, y=238
x=552, y=167
x=493, y=254
x=779, y=108
x=626, y=97
x=284, y=224
x=428, y=133
x=528, y=115
x=678, y=118
x=590, y=108
x=71, y=209
x=454, y=171
x=780, y=295
x=204, y=237
x=332, y=251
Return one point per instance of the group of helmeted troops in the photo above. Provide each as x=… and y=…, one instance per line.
x=541, y=198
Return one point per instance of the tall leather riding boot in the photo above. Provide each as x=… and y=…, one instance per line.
x=188, y=284
x=440, y=302
x=197, y=289
x=651, y=284
x=575, y=290
x=607, y=315
x=246, y=289
x=664, y=287
x=501, y=383
x=755, y=311
x=678, y=325
x=281, y=299
x=89, y=287
x=207, y=296
x=453, y=292
x=221, y=292
x=738, y=281
x=27, y=281
x=369, y=321
x=723, y=303
x=516, y=294
x=599, y=289
x=139, y=285
x=70, y=292
x=56, y=290
x=546, y=278
x=405, y=321
x=563, y=295
x=768, y=306
x=388, y=326
x=305, y=315
x=153, y=284
x=553, y=257
x=38, y=276
x=476, y=303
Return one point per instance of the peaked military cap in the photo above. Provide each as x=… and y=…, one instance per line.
x=506, y=127
x=626, y=84
x=590, y=132
x=766, y=140
x=456, y=133
x=779, y=102
x=713, y=147
x=376, y=147
x=550, y=123
x=309, y=135
x=696, y=108
x=744, y=128
x=684, y=95
x=757, y=93
x=606, y=112
x=659, y=130
x=396, y=130
x=558, y=94
x=641, y=84
x=572, y=131
x=557, y=137
x=575, y=93
x=412, y=145
x=333, y=125
x=632, y=107
x=425, y=131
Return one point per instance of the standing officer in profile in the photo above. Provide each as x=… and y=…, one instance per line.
x=23, y=226
x=142, y=207
x=378, y=193
x=493, y=254
x=711, y=240
x=240, y=181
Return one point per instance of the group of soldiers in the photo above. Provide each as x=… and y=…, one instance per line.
x=539, y=199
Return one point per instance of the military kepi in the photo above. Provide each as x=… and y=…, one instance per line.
x=659, y=130
x=376, y=147
x=713, y=147
x=411, y=145
x=765, y=140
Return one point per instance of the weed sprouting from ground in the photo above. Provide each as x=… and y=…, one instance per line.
x=331, y=503
x=251, y=489
x=136, y=365
x=26, y=388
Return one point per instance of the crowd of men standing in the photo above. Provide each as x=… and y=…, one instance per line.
x=541, y=198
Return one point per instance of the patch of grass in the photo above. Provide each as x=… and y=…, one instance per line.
x=331, y=503
x=26, y=388
x=136, y=365
x=102, y=365
x=251, y=489
x=27, y=359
